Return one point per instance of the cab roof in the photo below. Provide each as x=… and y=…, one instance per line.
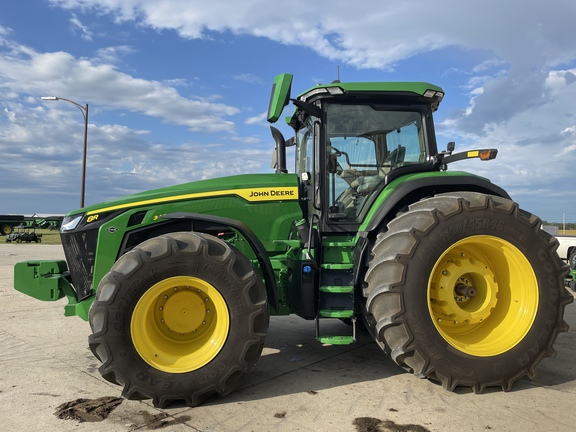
x=416, y=91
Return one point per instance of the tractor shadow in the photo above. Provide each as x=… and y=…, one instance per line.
x=293, y=363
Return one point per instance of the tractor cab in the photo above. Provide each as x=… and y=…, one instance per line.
x=352, y=139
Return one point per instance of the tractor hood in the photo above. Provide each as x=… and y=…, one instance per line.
x=250, y=187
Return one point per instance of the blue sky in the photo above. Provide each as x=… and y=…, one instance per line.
x=177, y=89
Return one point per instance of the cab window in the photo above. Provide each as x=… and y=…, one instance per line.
x=363, y=144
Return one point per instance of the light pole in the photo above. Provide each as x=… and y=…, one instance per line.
x=84, y=110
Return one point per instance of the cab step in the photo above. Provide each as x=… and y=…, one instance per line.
x=336, y=340
x=337, y=266
x=329, y=313
x=337, y=289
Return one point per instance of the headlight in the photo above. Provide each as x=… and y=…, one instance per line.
x=71, y=222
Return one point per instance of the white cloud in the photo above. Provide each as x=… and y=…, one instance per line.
x=113, y=54
x=85, y=33
x=249, y=78
x=524, y=47
x=43, y=140
x=259, y=119
x=387, y=34
x=536, y=149
x=25, y=71
x=119, y=160
x=488, y=64
x=570, y=134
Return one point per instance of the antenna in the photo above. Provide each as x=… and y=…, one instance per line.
x=338, y=72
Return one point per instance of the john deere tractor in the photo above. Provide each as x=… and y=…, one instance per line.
x=453, y=280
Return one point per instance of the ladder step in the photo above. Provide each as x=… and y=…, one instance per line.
x=327, y=313
x=339, y=266
x=336, y=340
x=344, y=289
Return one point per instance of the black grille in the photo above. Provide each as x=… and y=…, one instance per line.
x=80, y=250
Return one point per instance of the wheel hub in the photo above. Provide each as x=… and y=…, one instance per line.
x=465, y=291
x=184, y=311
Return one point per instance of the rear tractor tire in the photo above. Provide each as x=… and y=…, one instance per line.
x=466, y=289
x=181, y=317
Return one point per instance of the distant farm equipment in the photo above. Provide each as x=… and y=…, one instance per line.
x=9, y=222
x=24, y=233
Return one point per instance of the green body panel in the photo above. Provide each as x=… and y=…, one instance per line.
x=224, y=186
x=270, y=218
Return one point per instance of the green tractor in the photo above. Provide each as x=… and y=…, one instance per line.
x=453, y=280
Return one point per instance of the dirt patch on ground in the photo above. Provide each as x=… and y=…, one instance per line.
x=88, y=410
x=371, y=424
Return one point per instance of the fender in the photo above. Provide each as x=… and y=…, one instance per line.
x=251, y=238
x=419, y=188
x=408, y=193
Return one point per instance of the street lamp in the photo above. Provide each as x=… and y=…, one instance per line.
x=84, y=110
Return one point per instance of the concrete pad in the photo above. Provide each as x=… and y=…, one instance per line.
x=297, y=385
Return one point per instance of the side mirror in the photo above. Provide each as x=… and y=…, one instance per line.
x=280, y=96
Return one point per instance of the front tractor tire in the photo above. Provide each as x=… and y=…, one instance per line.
x=466, y=290
x=181, y=317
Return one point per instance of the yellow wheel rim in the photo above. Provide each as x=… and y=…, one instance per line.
x=180, y=324
x=483, y=296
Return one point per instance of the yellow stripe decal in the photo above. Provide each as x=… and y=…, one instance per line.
x=249, y=194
